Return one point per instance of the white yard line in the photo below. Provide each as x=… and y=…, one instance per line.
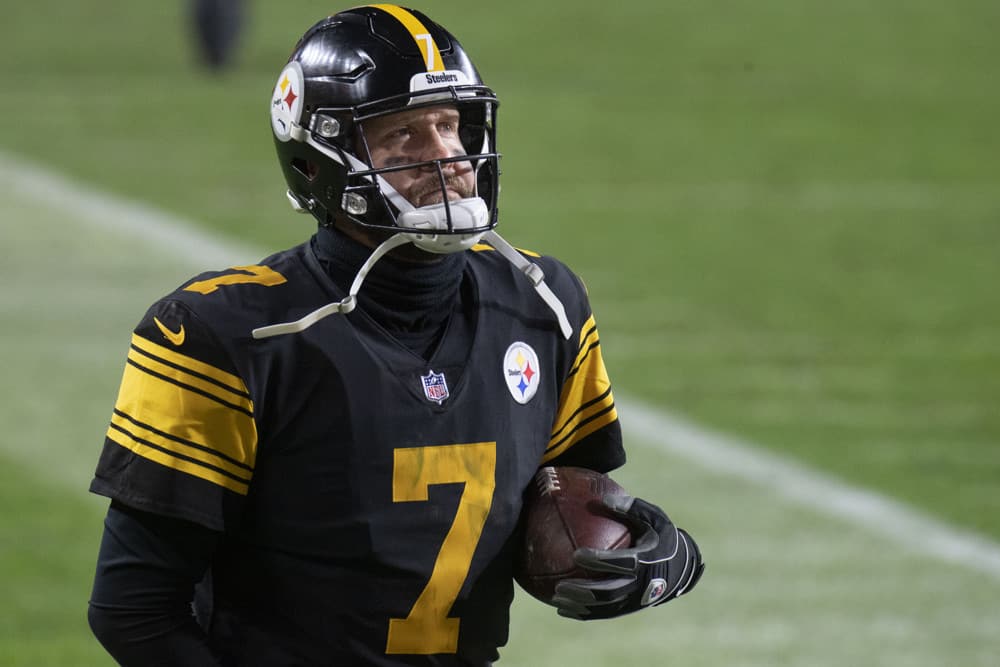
x=727, y=455
x=168, y=233
x=721, y=454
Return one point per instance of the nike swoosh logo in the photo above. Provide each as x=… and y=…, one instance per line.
x=175, y=337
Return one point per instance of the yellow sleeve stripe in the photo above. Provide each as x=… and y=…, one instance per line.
x=421, y=35
x=583, y=413
x=193, y=383
x=183, y=448
x=172, y=460
x=586, y=403
x=189, y=364
x=582, y=431
x=588, y=342
x=184, y=412
x=587, y=419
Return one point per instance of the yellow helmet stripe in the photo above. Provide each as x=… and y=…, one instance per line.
x=421, y=35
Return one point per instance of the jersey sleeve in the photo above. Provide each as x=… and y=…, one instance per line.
x=586, y=430
x=182, y=440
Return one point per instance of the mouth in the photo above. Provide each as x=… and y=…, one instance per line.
x=434, y=194
x=436, y=197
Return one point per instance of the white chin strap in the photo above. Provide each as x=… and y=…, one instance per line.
x=344, y=306
x=444, y=243
x=534, y=273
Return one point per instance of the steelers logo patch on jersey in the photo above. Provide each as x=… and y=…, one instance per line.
x=286, y=102
x=521, y=371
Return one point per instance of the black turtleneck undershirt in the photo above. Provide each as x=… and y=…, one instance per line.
x=413, y=301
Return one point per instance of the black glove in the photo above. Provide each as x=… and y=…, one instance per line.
x=663, y=564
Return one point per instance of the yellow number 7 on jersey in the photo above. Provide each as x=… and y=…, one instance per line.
x=258, y=275
x=428, y=629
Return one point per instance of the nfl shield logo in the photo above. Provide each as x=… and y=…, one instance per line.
x=435, y=387
x=657, y=589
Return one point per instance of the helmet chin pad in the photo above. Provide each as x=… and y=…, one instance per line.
x=470, y=213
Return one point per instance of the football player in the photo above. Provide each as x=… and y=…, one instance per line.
x=319, y=459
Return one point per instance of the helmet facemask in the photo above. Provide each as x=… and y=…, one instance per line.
x=368, y=199
x=462, y=187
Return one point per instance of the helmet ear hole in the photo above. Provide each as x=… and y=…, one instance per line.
x=309, y=170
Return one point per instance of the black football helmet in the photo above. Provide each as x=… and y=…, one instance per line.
x=368, y=62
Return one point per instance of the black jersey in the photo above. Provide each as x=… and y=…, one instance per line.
x=367, y=496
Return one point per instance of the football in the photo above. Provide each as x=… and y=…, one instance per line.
x=562, y=512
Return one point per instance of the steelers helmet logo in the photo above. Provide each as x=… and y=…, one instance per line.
x=286, y=101
x=521, y=371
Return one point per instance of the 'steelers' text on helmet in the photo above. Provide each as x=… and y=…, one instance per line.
x=368, y=62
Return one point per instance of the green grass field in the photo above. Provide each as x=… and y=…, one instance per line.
x=788, y=217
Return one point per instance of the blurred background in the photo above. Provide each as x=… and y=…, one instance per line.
x=788, y=218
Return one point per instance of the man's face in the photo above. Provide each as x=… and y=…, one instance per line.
x=430, y=133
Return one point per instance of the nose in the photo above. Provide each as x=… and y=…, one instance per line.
x=435, y=148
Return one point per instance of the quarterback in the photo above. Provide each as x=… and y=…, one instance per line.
x=320, y=458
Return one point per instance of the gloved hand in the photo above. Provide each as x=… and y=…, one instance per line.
x=663, y=564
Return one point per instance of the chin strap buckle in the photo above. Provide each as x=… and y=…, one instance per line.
x=534, y=274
